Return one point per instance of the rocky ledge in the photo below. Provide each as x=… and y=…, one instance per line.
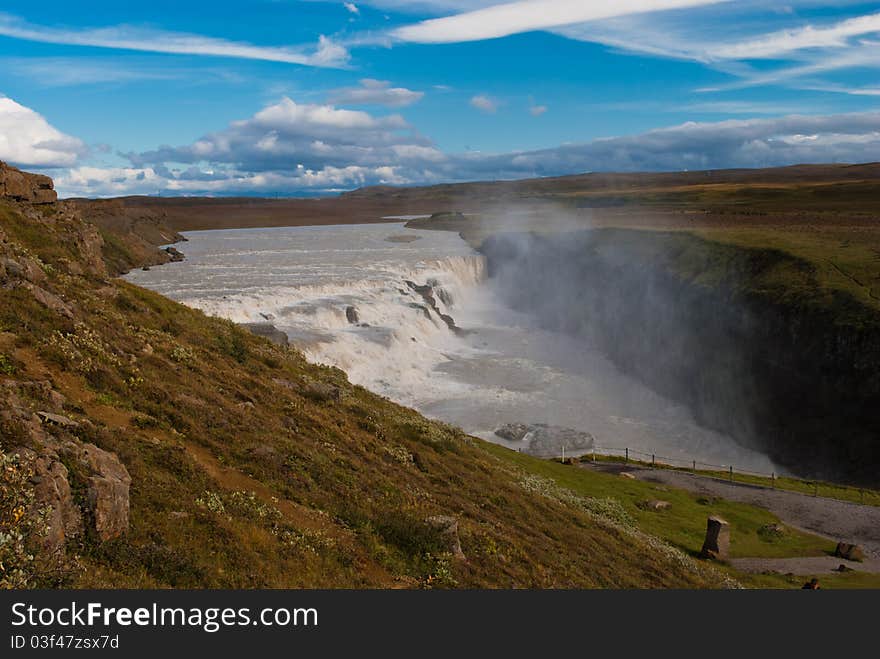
x=21, y=186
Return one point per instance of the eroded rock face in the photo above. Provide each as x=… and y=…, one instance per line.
x=108, y=491
x=20, y=186
x=62, y=463
x=52, y=490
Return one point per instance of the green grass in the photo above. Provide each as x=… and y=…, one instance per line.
x=684, y=523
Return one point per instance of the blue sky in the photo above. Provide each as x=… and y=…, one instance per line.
x=286, y=97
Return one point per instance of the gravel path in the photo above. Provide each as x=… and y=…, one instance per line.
x=840, y=521
x=804, y=565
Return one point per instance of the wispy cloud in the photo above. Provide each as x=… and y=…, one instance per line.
x=529, y=15
x=73, y=71
x=326, y=53
x=784, y=42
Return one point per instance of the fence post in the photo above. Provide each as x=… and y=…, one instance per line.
x=731, y=473
x=627, y=454
x=695, y=466
x=773, y=480
x=652, y=460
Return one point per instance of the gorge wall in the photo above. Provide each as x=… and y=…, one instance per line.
x=718, y=328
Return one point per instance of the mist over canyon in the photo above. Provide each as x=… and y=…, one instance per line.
x=701, y=324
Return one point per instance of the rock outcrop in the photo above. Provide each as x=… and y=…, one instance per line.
x=63, y=465
x=108, y=491
x=427, y=292
x=22, y=186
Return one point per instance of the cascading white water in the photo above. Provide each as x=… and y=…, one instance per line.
x=341, y=295
x=500, y=369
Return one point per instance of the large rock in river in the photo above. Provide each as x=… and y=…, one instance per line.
x=268, y=331
x=546, y=441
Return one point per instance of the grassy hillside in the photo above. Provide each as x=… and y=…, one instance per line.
x=252, y=468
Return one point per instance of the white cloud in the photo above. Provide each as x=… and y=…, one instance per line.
x=120, y=181
x=484, y=103
x=326, y=53
x=537, y=110
x=28, y=140
x=501, y=20
x=376, y=92
x=287, y=134
x=352, y=8
x=788, y=41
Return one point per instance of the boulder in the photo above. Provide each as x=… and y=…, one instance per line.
x=656, y=504
x=849, y=551
x=174, y=254
x=546, y=441
x=717, y=543
x=627, y=475
x=512, y=431
x=49, y=300
x=447, y=526
x=351, y=315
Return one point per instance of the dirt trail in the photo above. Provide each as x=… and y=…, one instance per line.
x=840, y=521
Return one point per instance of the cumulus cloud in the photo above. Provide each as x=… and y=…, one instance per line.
x=293, y=148
x=28, y=140
x=484, y=103
x=287, y=134
x=287, y=146
x=351, y=8
x=326, y=53
x=376, y=92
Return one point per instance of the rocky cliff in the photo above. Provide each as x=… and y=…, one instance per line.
x=22, y=186
x=790, y=370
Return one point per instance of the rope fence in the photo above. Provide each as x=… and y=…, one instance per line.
x=730, y=473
